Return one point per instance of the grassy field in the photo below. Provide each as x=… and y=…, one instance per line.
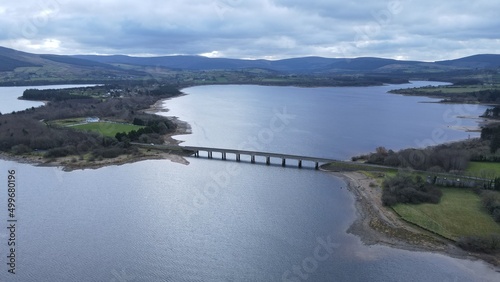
x=484, y=169
x=458, y=214
x=107, y=128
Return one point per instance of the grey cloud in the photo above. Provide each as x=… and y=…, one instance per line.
x=421, y=30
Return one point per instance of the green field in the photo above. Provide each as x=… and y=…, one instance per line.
x=107, y=128
x=484, y=169
x=459, y=213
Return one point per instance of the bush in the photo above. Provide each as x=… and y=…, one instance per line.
x=20, y=149
x=491, y=202
x=60, y=152
x=404, y=189
x=108, y=153
x=489, y=244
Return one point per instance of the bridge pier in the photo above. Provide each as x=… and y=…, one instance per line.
x=198, y=151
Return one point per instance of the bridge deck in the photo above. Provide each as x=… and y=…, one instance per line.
x=256, y=153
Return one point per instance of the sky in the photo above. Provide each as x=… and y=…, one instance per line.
x=424, y=30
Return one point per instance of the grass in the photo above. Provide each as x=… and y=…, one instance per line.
x=459, y=213
x=107, y=128
x=484, y=169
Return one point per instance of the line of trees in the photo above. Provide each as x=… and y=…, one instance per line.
x=152, y=130
x=51, y=95
x=492, y=133
x=492, y=113
x=442, y=158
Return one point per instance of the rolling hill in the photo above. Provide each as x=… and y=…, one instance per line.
x=18, y=67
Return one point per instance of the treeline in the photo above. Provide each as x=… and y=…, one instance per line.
x=489, y=244
x=481, y=96
x=452, y=157
x=150, y=133
x=163, y=90
x=441, y=158
x=492, y=113
x=492, y=134
x=487, y=96
x=51, y=95
x=407, y=189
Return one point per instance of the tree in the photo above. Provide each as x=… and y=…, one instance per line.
x=495, y=143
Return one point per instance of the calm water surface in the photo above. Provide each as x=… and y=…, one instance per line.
x=9, y=95
x=226, y=221
x=328, y=122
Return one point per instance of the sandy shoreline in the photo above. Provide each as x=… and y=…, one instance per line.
x=377, y=224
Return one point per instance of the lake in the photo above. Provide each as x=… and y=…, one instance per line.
x=227, y=221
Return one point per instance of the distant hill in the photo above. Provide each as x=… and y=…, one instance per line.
x=299, y=65
x=47, y=68
x=476, y=61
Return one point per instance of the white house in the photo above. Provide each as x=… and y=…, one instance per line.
x=92, y=119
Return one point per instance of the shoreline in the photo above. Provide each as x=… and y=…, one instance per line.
x=376, y=224
x=67, y=163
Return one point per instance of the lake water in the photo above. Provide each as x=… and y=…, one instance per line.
x=326, y=122
x=9, y=95
x=227, y=221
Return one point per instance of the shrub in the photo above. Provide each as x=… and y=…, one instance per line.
x=107, y=153
x=20, y=149
x=60, y=152
x=491, y=202
x=404, y=189
x=489, y=244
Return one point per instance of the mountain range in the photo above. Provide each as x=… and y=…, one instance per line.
x=28, y=66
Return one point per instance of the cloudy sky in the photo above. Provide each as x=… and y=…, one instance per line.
x=426, y=30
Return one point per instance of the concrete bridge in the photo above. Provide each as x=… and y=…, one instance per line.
x=253, y=154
